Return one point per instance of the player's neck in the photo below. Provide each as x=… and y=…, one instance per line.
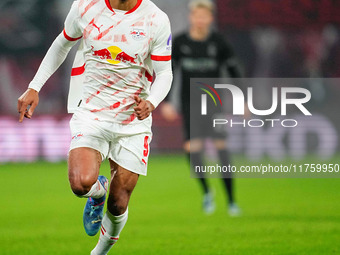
x=124, y=5
x=199, y=34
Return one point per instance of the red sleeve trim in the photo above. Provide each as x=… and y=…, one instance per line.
x=70, y=38
x=160, y=58
x=78, y=70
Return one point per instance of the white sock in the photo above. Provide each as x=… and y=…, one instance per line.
x=109, y=232
x=97, y=191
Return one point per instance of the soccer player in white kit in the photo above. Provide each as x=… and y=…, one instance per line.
x=123, y=43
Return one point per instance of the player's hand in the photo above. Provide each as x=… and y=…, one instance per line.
x=29, y=98
x=168, y=111
x=143, y=108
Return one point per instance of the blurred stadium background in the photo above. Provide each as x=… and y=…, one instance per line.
x=271, y=38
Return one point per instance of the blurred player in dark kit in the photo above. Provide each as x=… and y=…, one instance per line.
x=202, y=53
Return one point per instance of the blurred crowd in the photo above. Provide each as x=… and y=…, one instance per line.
x=270, y=38
x=267, y=46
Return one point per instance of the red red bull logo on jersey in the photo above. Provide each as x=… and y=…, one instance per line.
x=114, y=55
x=102, y=54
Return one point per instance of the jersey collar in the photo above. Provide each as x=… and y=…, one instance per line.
x=139, y=2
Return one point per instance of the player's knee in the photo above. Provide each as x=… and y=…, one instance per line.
x=220, y=144
x=78, y=190
x=81, y=185
x=195, y=145
x=117, y=206
x=186, y=147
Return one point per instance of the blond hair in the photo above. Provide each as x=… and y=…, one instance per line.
x=207, y=4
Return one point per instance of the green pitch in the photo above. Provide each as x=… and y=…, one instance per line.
x=39, y=215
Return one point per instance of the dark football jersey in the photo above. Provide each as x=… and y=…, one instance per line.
x=202, y=59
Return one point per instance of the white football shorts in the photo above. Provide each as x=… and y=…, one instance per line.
x=127, y=145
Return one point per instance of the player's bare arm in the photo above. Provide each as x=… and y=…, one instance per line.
x=29, y=98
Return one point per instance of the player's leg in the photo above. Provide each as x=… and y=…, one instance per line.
x=89, y=145
x=194, y=153
x=228, y=181
x=224, y=159
x=122, y=184
x=83, y=171
x=193, y=146
x=194, y=150
x=83, y=165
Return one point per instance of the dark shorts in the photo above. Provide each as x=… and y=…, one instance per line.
x=201, y=127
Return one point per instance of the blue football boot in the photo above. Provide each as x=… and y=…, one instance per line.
x=93, y=211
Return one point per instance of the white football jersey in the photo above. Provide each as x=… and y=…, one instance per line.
x=114, y=59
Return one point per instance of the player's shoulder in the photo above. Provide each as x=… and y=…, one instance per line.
x=155, y=11
x=87, y=5
x=80, y=3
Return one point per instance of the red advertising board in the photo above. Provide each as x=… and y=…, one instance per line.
x=287, y=14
